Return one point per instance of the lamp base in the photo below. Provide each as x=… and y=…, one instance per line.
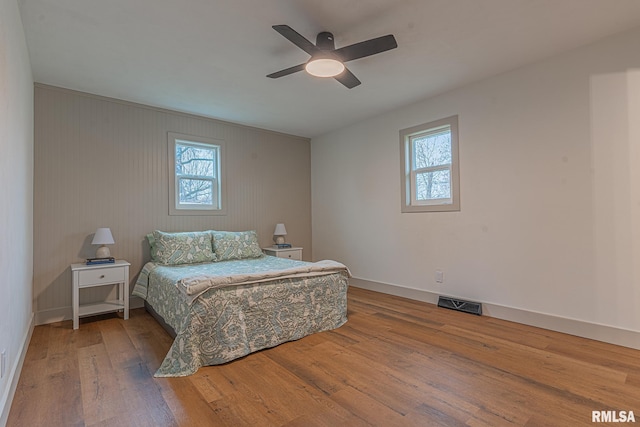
x=103, y=252
x=279, y=240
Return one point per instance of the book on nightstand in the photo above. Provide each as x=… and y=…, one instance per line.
x=282, y=245
x=95, y=261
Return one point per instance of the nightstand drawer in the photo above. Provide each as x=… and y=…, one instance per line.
x=291, y=254
x=97, y=276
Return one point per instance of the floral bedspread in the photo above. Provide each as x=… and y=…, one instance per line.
x=225, y=323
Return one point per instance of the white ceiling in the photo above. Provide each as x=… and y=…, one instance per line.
x=210, y=57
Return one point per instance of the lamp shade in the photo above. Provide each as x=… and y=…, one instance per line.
x=103, y=237
x=280, y=230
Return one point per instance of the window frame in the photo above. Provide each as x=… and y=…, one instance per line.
x=408, y=173
x=219, y=181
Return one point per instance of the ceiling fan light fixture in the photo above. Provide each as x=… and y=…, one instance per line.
x=324, y=67
x=326, y=60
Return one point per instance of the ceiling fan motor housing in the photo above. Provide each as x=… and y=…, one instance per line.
x=324, y=41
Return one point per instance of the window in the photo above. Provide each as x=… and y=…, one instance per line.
x=429, y=162
x=196, y=181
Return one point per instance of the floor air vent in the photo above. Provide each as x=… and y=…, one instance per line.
x=460, y=305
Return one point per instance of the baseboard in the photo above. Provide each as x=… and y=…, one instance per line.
x=14, y=376
x=53, y=315
x=594, y=331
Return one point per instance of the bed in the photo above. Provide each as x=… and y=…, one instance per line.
x=221, y=298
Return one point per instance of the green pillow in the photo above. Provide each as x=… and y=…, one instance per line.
x=230, y=245
x=152, y=246
x=181, y=248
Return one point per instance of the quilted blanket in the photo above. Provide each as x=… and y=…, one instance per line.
x=225, y=310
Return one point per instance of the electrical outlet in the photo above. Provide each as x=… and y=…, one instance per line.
x=439, y=276
x=3, y=362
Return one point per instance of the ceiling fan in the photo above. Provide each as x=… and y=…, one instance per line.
x=326, y=60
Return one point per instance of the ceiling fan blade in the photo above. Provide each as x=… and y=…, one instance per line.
x=295, y=38
x=287, y=71
x=366, y=48
x=348, y=79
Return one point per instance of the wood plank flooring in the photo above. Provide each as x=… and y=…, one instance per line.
x=396, y=362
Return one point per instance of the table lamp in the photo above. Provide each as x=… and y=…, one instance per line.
x=279, y=233
x=103, y=237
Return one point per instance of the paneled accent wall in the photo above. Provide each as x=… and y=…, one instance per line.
x=101, y=162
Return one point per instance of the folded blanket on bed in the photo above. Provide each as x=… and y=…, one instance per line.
x=194, y=279
x=192, y=287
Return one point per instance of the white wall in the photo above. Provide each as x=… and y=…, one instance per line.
x=16, y=197
x=550, y=192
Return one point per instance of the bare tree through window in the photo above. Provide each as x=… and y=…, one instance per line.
x=429, y=167
x=196, y=173
x=432, y=163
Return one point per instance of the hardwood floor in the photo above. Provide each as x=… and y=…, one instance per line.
x=396, y=362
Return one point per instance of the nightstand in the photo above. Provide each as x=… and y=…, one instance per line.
x=88, y=276
x=291, y=253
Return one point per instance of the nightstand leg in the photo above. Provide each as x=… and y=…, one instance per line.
x=125, y=294
x=121, y=294
x=76, y=302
